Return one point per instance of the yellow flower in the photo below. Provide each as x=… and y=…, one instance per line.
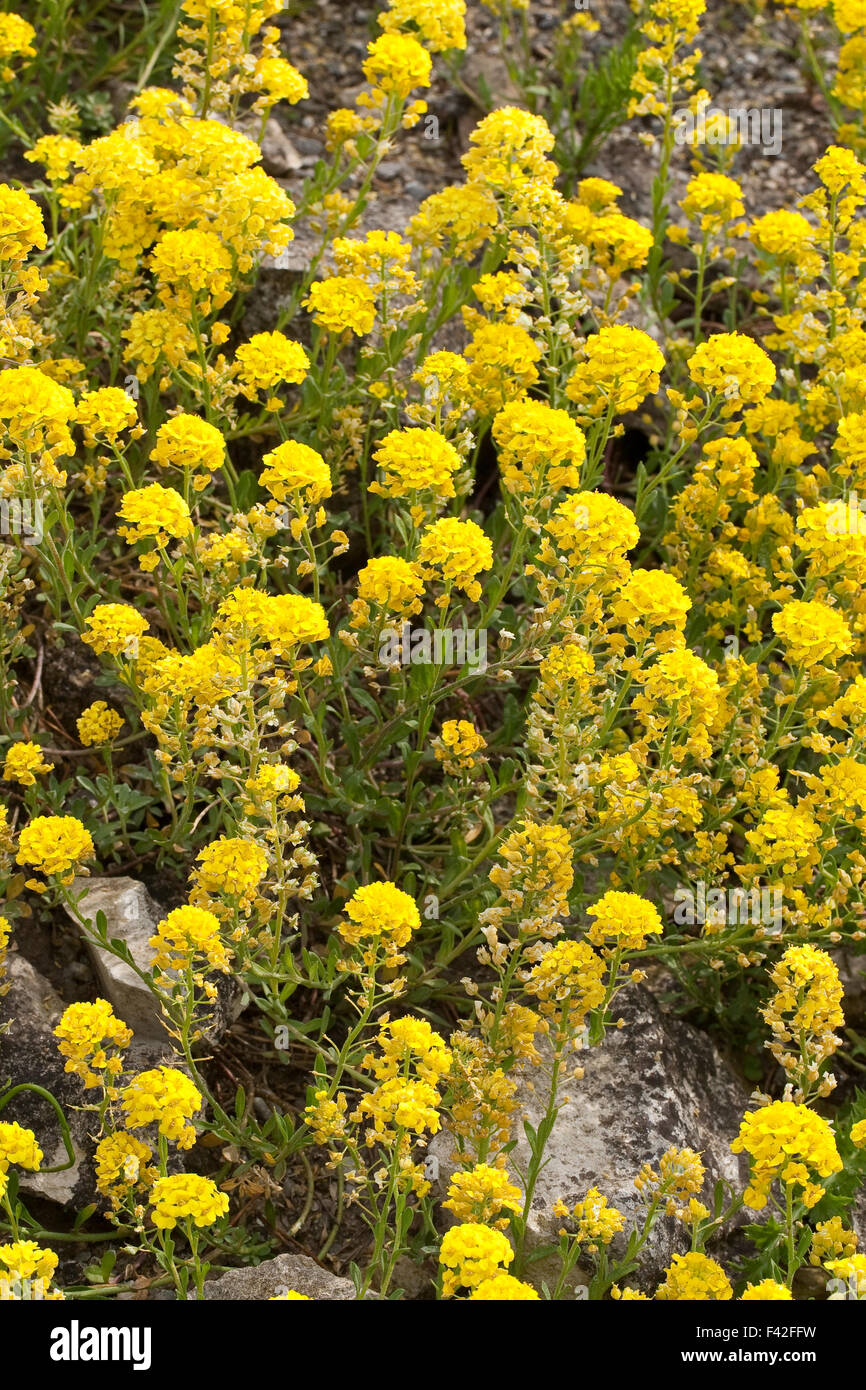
x=24, y=1259
x=166, y=1098
x=16, y=41
x=17, y=1145
x=279, y=80
x=192, y=267
x=849, y=15
x=460, y=550
x=695, y=1278
x=54, y=844
x=681, y=690
x=509, y=147
x=390, y=582
x=768, y=1291
x=786, y=839
x=232, y=867
x=460, y=742
x=565, y=671
x=785, y=1142
x=832, y=1240
x=397, y=64
x=115, y=628
x=813, y=634
x=852, y=1273
x=597, y=1221
x=56, y=153
x=379, y=910
x=734, y=367
x=155, y=512
x=458, y=217
x=503, y=1288
x=651, y=599
x=413, y=461
x=187, y=936
x=268, y=359
x=624, y=918
x=569, y=974
x=98, y=724
x=712, y=200
x=470, y=1254
x=123, y=1166
x=593, y=532
x=621, y=367
x=536, y=877
x=503, y=360
x=295, y=470
x=21, y=226
x=36, y=412
x=438, y=23
x=284, y=621
x=343, y=303
x=839, y=168
x=190, y=445
x=802, y=1013
x=541, y=450
x=157, y=336
x=661, y=71
x=326, y=1117
x=272, y=784
x=186, y=1197
x=104, y=414
x=783, y=233
x=24, y=763
x=399, y=1104
x=483, y=1194
x=93, y=1040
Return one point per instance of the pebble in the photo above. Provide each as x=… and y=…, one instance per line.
x=304, y=145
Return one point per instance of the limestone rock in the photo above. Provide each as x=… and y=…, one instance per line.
x=132, y=916
x=272, y=1277
x=279, y=156
x=656, y=1082
x=29, y=1053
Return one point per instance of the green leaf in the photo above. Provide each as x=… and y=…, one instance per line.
x=246, y=489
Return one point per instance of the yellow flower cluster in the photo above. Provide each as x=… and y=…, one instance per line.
x=165, y=1098
x=93, y=1041
x=789, y=1143
x=19, y=1146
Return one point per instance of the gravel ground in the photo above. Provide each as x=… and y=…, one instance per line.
x=749, y=59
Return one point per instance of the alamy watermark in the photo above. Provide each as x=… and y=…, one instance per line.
x=421, y=646
x=19, y=1290
x=846, y=516
x=744, y=125
x=22, y=518
x=852, y=1288
x=77, y=1343
x=728, y=907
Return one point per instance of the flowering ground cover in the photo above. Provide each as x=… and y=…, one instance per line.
x=424, y=639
